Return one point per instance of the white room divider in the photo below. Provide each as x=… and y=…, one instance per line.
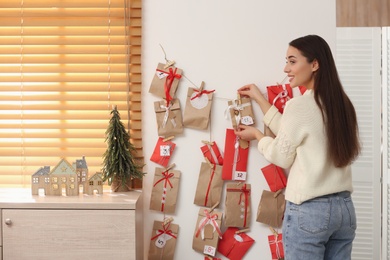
x=358, y=58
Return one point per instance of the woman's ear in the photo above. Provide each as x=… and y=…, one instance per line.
x=315, y=65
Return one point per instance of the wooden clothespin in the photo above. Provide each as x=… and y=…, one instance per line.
x=168, y=138
x=277, y=193
x=273, y=231
x=242, y=231
x=238, y=99
x=170, y=167
x=167, y=221
x=201, y=86
x=169, y=63
x=208, y=162
x=213, y=207
x=207, y=142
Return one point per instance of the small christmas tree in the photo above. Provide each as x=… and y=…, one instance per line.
x=119, y=166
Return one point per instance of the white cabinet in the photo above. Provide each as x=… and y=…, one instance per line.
x=81, y=227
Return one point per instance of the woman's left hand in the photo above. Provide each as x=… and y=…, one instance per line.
x=248, y=133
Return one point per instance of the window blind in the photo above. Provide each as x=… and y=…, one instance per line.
x=64, y=64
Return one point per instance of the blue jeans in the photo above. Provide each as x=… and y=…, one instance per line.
x=322, y=228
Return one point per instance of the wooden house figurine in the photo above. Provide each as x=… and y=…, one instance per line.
x=82, y=172
x=95, y=183
x=63, y=176
x=40, y=180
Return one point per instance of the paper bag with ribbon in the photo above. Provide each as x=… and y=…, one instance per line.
x=276, y=245
x=235, y=157
x=207, y=232
x=163, y=241
x=234, y=244
x=271, y=208
x=275, y=177
x=169, y=118
x=209, y=187
x=165, y=190
x=163, y=151
x=240, y=111
x=165, y=81
x=211, y=151
x=198, y=108
x=238, y=205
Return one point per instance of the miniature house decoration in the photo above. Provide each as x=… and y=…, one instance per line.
x=67, y=177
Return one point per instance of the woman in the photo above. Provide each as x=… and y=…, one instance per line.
x=317, y=138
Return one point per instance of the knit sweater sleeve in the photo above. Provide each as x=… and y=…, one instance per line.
x=281, y=150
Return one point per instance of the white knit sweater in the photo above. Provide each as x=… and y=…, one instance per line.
x=300, y=143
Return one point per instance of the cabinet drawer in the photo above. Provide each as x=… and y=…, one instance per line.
x=68, y=234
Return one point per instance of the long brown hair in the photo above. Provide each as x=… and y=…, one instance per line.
x=337, y=109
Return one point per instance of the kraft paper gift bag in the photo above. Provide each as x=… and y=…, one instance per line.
x=235, y=157
x=211, y=151
x=234, y=244
x=163, y=241
x=165, y=81
x=275, y=177
x=197, y=109
x=169, y=118
x=271, y=208
x=163, y=151
x=240, y=111
x=238, y=205
x=209, y=187
x=207, y=232
x=165, y=190
x=276, y=246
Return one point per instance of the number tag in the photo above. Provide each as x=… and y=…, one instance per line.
x=165, y=150
x=239, y=176
x=209, y=250
x=247, y=120
x=161, y=74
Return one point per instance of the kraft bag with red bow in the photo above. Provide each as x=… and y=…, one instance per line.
x=238, y=205
x=163, y=241
x=211, y=152
x=240, y=111
x=169, y=118
x=271, y=208
x=165, y=190
x=163, y=151
x=207, y=232
x=198, y=108
x=234, y=244
x=235, y=157
x=165, y=81
x=275, y=177
x=276, y=245
x=209, y=188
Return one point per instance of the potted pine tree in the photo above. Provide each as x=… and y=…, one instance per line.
x=119, y=165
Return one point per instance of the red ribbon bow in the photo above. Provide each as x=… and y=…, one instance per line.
x=201, y=92
x=164, y=231
x=168, y=82
x=208, y=187
x=209, y=218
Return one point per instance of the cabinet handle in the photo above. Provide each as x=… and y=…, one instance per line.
x=8, y=222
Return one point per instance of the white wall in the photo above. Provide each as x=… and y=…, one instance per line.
x=226, y=44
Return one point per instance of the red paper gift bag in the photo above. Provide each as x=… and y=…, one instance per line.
x=278, y=95
x=276, y=246
x=235, y=157
x=163, y=151
x=211, y=151
x=275, y=177
x=234, y=244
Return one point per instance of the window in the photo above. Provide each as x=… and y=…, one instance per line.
x=63, y=65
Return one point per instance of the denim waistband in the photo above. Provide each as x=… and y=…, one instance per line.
x=342, y=194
